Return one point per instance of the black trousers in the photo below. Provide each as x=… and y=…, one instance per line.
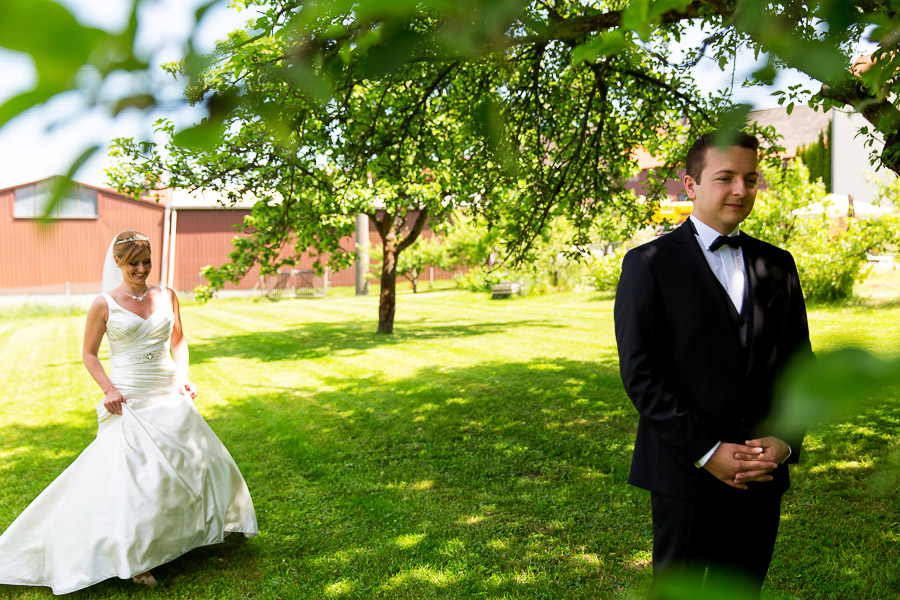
x=725, y=533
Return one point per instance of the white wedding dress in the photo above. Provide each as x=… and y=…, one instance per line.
x=155, y=483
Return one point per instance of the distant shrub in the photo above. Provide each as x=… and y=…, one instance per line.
x=476, y=279
x=830, y=252
x=605, y=271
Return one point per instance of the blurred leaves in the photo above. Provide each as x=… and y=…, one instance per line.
x=603, y=45
x=59, y=47
x=636, y=17
x=732, y=120
x=204, y=136
x=60, y=186
x=832, y=386
x=677, y=586
x=139, y=101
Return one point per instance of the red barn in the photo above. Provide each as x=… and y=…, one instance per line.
x=187, y=231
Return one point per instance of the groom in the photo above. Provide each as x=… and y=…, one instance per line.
x=706, y=320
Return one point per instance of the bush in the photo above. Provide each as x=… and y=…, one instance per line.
x=551, y=265
x=830, y=263
x=476, y=279
x=605, y=271
x=825, y=279
x=830, y=253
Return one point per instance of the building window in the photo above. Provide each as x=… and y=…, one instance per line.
x=31, y=201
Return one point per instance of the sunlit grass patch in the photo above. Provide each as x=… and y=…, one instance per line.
x=339, y=588
x=842, y=465
x=422, y=574
x=409, y=540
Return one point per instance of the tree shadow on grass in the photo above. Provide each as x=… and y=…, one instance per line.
x=317, y=340
x=842, y=507
x=34, y=455
x=503, y=479
x=494, y=480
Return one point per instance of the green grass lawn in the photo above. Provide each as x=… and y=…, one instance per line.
x=479, y=452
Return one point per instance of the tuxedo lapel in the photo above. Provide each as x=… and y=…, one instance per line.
x=761, y=296
x=699, y=276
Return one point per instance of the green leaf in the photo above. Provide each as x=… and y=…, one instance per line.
x=202, y=137
x=661, y=7
x=840, y=15
x=312, y=84
x=821, y=60
x=53, y=35
x=731, y=121
x=831, y=386
x=389, y=55
x=766, y=74
x=204, y=8
x=140, y=101
x=490, y=122
x=370, y=10
x=682, y=586
x=636, y=17
x=22, y=102
x=605, y=44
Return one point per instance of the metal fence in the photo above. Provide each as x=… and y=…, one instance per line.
x=294, y=283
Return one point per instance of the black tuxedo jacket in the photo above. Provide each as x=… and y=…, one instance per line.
x=683, y=362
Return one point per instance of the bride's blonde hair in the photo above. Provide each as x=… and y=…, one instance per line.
x=129, y=244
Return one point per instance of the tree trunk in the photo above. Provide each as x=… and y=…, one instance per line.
x=390, y=227
x=388, y=300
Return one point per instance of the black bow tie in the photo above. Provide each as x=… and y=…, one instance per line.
x=734, y=241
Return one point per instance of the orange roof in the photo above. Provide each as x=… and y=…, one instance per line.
x=645, y=160
x=861, y=64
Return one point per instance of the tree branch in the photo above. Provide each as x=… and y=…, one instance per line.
x=413, y=235
x=880, y=113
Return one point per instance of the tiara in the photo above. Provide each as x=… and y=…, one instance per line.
x=135, y=238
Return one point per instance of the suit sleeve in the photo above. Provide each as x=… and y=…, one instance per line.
x=642, y=344
x=795, y=345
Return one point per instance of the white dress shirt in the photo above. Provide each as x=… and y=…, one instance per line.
x=727, y=264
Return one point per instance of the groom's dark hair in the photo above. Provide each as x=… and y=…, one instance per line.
x=696, y=156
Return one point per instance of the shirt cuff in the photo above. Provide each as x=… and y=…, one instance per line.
x=705, y=458
x=788, y=456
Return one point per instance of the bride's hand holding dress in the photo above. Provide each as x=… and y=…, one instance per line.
x=112, y=402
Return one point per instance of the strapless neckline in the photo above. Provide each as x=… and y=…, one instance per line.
x=155, y=310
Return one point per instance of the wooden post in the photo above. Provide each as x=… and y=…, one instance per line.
x=362, y=255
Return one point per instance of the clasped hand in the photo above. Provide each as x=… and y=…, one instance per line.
x=739, y=464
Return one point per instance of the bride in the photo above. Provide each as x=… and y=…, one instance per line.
x=156, y=482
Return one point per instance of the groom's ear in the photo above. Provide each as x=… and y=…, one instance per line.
x=690, y=187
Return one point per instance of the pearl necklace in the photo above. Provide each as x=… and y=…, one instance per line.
x=138, y=298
